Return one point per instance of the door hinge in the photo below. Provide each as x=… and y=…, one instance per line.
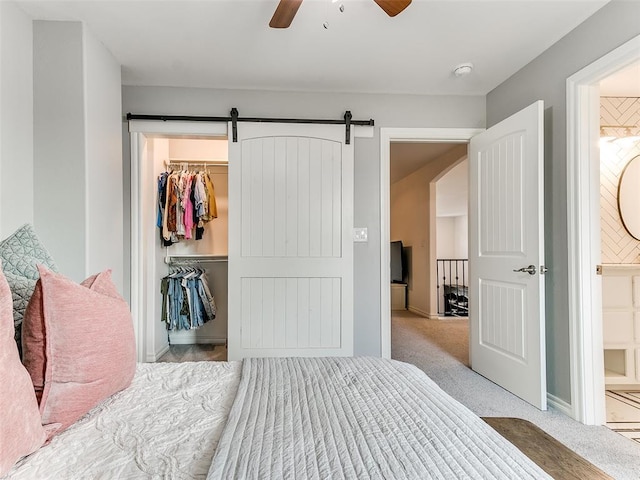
x=598, y=269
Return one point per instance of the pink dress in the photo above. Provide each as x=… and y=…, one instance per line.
x=188, y=207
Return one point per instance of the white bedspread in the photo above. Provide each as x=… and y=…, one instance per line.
x=166, y=425
x=354, y=418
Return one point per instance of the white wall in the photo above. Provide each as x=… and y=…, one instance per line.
x=77, y=150
x=461, y=238
x=445, y=235
x=198, y=149
x=452, y=191
x=16, y=119
x=452, y=237
x=103, y=160
x=452, y=197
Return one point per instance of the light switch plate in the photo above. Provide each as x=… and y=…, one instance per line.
x=360, y=234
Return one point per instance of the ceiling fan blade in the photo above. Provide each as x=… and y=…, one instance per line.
x=283, y=16
x=393, y=7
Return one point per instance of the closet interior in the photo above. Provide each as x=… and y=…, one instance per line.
x=190, y=215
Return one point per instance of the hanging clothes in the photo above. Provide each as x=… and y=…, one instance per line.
x=186, y=203
x=162, y=203
x=187, y=301
x=170, y=222
x=188, y=208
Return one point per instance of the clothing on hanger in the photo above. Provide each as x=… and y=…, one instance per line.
x=186, y=203
x=187, y=301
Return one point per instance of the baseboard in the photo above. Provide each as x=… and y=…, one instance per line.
x=417, y=311
x=559, y=405
x=158, y=354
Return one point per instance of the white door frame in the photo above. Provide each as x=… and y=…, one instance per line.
x=388, y=135
x=583, y=219
x=140, y=303
x=141, y=267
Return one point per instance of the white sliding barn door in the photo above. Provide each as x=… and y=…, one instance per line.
x=506, y=255
x=290, y=243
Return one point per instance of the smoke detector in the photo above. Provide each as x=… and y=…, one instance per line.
x=463, y=69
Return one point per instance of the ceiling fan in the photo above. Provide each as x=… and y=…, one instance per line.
x=286, y=10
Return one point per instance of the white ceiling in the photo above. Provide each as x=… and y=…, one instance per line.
x=228, y=44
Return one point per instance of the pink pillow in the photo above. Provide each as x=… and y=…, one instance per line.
x=21, y=431
x=78, y=344
x=33, y=328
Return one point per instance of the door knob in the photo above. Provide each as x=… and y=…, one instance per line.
x=531, y=270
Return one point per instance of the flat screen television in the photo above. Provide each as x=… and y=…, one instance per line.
x=397, y=262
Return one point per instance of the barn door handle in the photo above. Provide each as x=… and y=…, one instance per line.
x=531, y=270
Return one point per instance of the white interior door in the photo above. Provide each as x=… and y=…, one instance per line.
x=290, y=243
x=506, y=255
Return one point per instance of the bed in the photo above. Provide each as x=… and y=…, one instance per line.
x=302, y=418
x=76, y=405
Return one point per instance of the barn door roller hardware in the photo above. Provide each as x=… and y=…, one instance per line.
x=235, y=119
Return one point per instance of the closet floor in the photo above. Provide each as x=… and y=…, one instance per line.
x=195, y=353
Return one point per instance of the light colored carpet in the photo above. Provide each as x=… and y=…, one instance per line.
x=439, y=348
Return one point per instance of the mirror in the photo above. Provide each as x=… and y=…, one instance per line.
x=629, y=197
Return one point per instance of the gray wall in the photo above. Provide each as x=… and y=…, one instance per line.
x=77, y=135
x=386, y=110
x=103, y=160
x=59, y=143
x=16, y=119
x=544, y=78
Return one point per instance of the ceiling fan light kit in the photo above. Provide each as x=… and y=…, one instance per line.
x=287, y=9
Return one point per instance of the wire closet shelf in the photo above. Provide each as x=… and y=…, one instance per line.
x=193, y=259
x=187, y=164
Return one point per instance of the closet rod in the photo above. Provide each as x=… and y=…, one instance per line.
x=234, y=119
x=190, y=259
x=205, y=163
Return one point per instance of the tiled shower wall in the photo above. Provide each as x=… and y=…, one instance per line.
x=617, y=245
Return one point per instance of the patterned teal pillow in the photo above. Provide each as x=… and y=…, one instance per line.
x=20, y=253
